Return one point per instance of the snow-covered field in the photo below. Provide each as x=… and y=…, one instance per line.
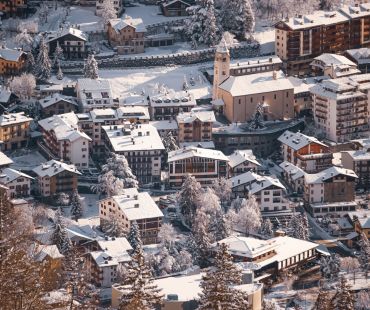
x=85, y=18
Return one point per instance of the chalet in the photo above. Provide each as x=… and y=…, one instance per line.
x=293, y=176
x=18, y=183
x=242, y=161
x=12, y=61
x=172, y=8
x=333, y=66
x=57, y=104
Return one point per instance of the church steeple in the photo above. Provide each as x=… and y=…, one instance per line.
x=221, y=66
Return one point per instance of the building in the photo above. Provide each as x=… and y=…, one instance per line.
x=172, y=8
x=131, y=207
x=299, y=40
x=333, y=66
x=127, y=35
x=94, y=94
x=182, y=292
x=57, y=104
x=55, y=177
x=360, y=56
x=330, y=192
x=305, y=152
x=242, y=161
x=274, y=256
x=46, y=90
x=195, y=126
x=359, y=162
x=302, y=95
x=361, y=222
x=340, y=109
x=5, y=161
x=117, y=4
x=293, y=176
x=13, y=8
x=168, y=106
x=72, y=41
x=204, y=165
x=103, y=263
x=12, y=61
x=142, y=147
x=14, y=131
x=63, y=140
x=18, y=183
x=269, y=192
x=134, y=114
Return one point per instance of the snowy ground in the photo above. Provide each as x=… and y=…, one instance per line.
x=85, y=18
x=265, y=34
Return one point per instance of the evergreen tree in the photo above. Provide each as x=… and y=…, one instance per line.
x=59, y=236
x=343, y=298
x=108, y=11
x=134, y=237
x=299, y=226
x=202, y=238
x=76, y=205
x=217, y=284
x=30, y=63
x=59, y=73
x=222, y=188
x=322, y=301
x=91, y=70
x=266, y=228
x=364, y=254
x=139, y=291
x=43, y=65
x=188, y=197
x=257, y=119
x=58, y=56
x=169, y=142
x=269, y=305
x=202, y=27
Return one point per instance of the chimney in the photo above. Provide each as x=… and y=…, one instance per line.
x=274, y=75
x=148, y=133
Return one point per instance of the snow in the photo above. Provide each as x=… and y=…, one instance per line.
x=10, y=55
x=191, y=152
x=326, y=174
x=190, y=117
x=54, y=167
x=85, y=18
x=8, y=175
x=265, y=35
x=4, y=160
x=297, y=140
x=14, y=118
x=28, y=162
x=240, y=156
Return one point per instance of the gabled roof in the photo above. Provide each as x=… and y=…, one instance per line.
x=56, y=98
x=327, y=174
x=8, y=175
x=186, y=2
x=70, y=31
x=297, y=140
x=333, y=60
x=14, y=118
x=240, y=156
x=363, y=218
x=293, y=171
x=10, y=55
x=4, y=160
x=44, y=251
x=203, y=116
x=118, y=24
x=190, y=151
x=54, y=167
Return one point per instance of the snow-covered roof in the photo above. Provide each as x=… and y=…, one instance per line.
x=137, y=206
x=8, y=175
x=67, y=31
x=4, y=160
x=56, y=98
x=174, y=1
x=297, y=140
x=42, y=251
x=359, y=155
x=54, y=167
x=361, y=55
x=293, y=171
x=93, y=89
x=255, y=61
x=118, y=24
x=327, y=174
x=203, y=116
x=240, y=156
x=165, y=125
x=129, y=137
x=363, y=217
x=244, y=85
x=356, y=11
x=191, y=151
x=64, y=126
x=114, y=245
x=199, y=144
x=329, y=60
x=180, y=98
x=4, y=95
x=113, y=251
x=13, y=118
x=103, y=114
x=50, y=88
x=255, y=181
x=10, y=54
x=133, y=111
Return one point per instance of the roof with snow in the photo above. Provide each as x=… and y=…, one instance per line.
x=255, y=182
x=67, y=31
x=190, y=152
x=180, y=98
x=244, y=85
x=360, y=55
x=359, y=155
x=203, y=116
x=132, y=111
x=14, y=118
x=363, y=217
x=101, y=115
x=4, y=160
x=44, y=251
x=137, y=206
x=5, y=95
x=240, y=156
x=327, y=174
x=356, y=11
x=119, y=23
x=255, y=62
x=298, y=140
x=11, y=54
x=293, y=171
x=56, y=98
x=329, y=60
x=54, y=167
x=113, y=251
x=165, y=125
x=8, y=175
x=199, y=144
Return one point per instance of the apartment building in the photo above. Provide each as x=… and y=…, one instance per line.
x=134, y=114
x=14, y=131
x=204, y=165
x=299, y=40
x=293, y=176
x=131, y=207
x=12, y=61
x=62, y=139
x=117, y=4
x=165, y=107
x=195, y=126
x=333, y=66
x=305, y=152
x=360, y=56
x=269, y=192
x=57, y=104
x=359, y=162
x=341, y=109
x=127, y=35
x=13, y=8
x=141, y=145
x=330, y=192
x=94, y=94
x=242, y=161
x=55, y=177
x=18, y=184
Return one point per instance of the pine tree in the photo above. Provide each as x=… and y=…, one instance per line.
x=76, y=205
x=139, y=291
x=299, y=226
x=202, y=238
x=58, y=56
x=222, y=188
x=30, y=63
x=217, y=284
x=364, y=254
x=134, y=237
x=269, y=305
x=257, y=119
x=188, y=197
x=59, y=235
x=266, y=228
x=169, y=142
x=59, y=73
x=343, y=298
x=43, y=65
x=91, y=70
x=322, y=301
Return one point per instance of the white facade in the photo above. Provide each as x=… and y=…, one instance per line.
x=18, y=184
